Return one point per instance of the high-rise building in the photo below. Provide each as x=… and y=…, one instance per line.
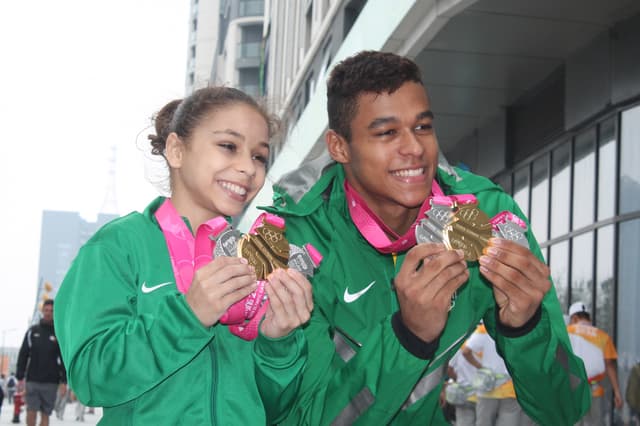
x=62, y=235
x=239, y=49
x=225, y=44
x=203, y=36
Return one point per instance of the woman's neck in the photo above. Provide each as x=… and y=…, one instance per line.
x=196, y=216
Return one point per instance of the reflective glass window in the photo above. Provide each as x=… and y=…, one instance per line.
x=582, y=269
x=629, y=160
x=521, y=189
x=559, y=265
x=628, y=314
x=607, y=182
x=540, y=198
x=584, y=177
x=605, y=284
x=560, y=174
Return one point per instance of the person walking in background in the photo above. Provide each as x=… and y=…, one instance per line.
x=12, y=384
x=41, y=366
x=2, y=390
x=632, y=394
x=389, y=312
x=596, y=349
x=79, y=410
x=463, y=373
x=497, y=404
x=61, y=403
x=139, y=322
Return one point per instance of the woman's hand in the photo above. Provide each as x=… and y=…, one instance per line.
x=218, y=285
x=290, y=302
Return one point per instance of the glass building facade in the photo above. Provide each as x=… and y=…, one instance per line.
x=582, y=195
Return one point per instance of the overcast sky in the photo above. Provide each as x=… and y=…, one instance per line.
x=78, y=77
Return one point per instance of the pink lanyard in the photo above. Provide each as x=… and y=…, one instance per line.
x=375, y=231
x=507, y=216
x=187, y=253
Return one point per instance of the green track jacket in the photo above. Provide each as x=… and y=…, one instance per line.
x=132, y=345
x=359, y=373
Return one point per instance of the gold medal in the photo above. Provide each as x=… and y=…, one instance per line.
x=267, y=250
x=469, y=231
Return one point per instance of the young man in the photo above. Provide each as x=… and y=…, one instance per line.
x=389, y=313
x=39, y=360
x=595, y=348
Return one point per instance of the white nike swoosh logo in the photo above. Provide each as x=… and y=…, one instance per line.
x=348, y=297
x=146, y=289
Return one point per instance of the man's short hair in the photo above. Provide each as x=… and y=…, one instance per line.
x=366, y=72
x=47, y=302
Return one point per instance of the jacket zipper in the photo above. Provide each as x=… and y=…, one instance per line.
x=214, y=381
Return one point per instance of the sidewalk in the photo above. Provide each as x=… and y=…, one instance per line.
x=69, y=416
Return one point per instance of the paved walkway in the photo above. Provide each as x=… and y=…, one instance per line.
x=69, y=416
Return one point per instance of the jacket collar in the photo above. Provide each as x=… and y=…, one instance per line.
x=453, y=180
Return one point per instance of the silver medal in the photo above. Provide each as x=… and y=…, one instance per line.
x=300, y=260
x=511, y=231
x=227, y=243
x=431, y=229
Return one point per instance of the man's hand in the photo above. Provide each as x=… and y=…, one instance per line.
x=21, y=386
x=617, y=399
x=62, y=389
x=427, y=280
x=290, y=302
x=520, y=280
x=218, y=285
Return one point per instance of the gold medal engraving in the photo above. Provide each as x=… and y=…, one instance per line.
x=468, y=231
x=267, y=250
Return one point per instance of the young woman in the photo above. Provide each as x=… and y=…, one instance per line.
x=138, y=323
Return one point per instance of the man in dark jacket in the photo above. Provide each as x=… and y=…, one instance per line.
x=39, y=361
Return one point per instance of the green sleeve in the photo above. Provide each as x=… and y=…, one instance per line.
x=279, y=365
x=376, y=380
x=550, y=381
x=112, y=352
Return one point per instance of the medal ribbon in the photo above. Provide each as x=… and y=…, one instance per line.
x=507, y=216
x=269, y=218
x=375, y=231
x=452, y=200
x=187, y=253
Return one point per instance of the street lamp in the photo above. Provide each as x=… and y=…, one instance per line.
x=4, y=333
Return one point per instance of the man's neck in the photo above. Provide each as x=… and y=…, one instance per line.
x=398, y=219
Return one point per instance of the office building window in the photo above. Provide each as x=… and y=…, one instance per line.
x=628, y=315
x=584, y=175
x=521, y=189
x=560, y=196
x=629, y=157
x=605, y=279
x=539, y=215
x=607, y=182
x=559, y=265
x=582, y=269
